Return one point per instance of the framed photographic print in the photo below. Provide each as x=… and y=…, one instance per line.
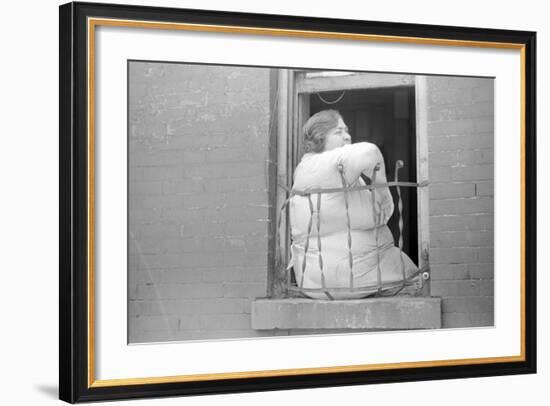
x=260, y=202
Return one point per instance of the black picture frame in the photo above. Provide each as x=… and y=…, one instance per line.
x=74, y=382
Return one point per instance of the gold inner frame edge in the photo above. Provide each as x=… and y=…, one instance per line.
x=93, y=22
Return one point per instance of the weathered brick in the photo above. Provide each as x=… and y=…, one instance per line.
x=180, y=291
x=153, y=307
x=256, y=242
x=196, y=259
x=487, y=287
x=450, y=190
x=241, y=258
x=151, y=174
x=157, y=231
x=144, y=216
x=145, y=188
x=204, y=244
x=160, y=261
x=473, y=172
x=453, y=255
x=223, y=275
x=485, y=188
x=247, y=183
x=160, y=202
x=483, y=319
x=192, y=157
x=462, y=206
x=456, y=320
x=460, y=143
x=247, y=227
x=458, y=222
x=133, y=262
x=151, y=246
x=234, y=274
x=149, y=131
x=185, y=138
x=191, y=321
x=449, y=128
x=183, y=215
x=455, y=288
x=201, y=227
x=462, y=255
x=173, y=172
x=450, y=95
x=462, y=239
x=136, y=174
x=154, y=323
x=154, y=157
x=189, y=306
x=459, y=111
x=444, y=84
x=202, y=200
x=179, y=276
x=483, y=93
x=482, y=140
x=244, y=290
x=445, y=158
x=234, y=154
x=481, y=271
x=251, y=197
x=441, y=174
x=468, y=305
x=486, y=255
x=256, y=274
x=466, y=126
x=449, y=272
x=226, y=321
x=224, y=306
x=234, y=243
x=256, y=258
x=475, y=157
x=182, y=186
x=220, y=170
x=216, y=334
x=136, y=337
x=144, y=277
x=189, y=129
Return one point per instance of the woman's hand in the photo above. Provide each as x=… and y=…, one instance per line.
x=383, y=206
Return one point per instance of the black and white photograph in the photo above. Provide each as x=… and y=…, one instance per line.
x=274, y=203
x=268, y=201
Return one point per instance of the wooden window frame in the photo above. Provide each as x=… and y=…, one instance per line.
x=293, y=90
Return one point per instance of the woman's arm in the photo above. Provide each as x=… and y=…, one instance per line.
x=359, y=158
x=362, y=158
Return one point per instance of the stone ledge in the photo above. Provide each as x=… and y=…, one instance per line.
x=378, y=313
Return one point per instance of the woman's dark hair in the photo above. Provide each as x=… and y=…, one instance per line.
x=316, y=128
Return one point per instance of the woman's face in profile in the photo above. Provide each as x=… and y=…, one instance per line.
x=338, y=136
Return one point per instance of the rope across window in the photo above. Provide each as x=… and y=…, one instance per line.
x=315, y=212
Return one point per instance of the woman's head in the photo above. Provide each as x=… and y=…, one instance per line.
x=324, y=131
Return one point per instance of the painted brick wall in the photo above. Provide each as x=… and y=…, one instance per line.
x=460, y=143
x=198, y=199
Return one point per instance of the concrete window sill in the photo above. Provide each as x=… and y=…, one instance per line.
x=398, y=312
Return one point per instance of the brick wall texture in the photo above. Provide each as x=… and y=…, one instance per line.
x=199, y=199
x=460, y=144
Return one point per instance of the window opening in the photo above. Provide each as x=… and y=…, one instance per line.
x=384, y=115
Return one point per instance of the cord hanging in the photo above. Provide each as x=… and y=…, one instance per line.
x=334, y=101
